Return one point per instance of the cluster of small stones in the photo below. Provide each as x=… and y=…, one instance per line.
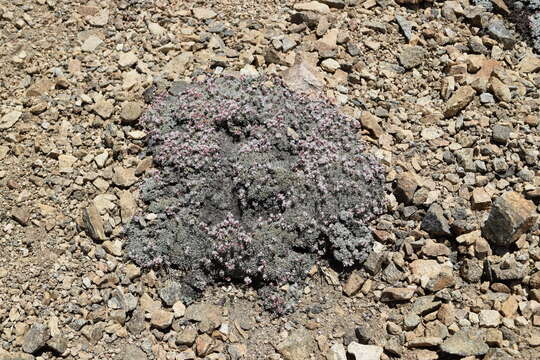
x=447, y=95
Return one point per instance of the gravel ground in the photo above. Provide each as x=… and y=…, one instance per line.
x=448, y=97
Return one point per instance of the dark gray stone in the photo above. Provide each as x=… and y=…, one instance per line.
x=435, y=223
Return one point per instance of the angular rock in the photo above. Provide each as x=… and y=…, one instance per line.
x=501, y=134
x=91, y=43
x=124, y=177
x=104, y=108
x=303, y=76
x=435, y=223
x=511, y=216
x=406, y=186
x=497, y=30
x=127, y=60
x=529, y=64
x=128, y=206
x=336, y=352
x=162, y=319
x=58, y=344
x=489, y=318
x=459, y=100
x=371, y=122
x=36, y=338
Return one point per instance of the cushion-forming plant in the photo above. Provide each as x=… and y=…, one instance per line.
x=253, y=183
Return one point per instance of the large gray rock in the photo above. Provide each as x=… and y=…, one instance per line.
x=36, y=338
x=510, y=217
x=468, y=342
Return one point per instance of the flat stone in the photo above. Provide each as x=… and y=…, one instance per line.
x=489, y=318
x=65, y=163
x=365, y=352
x=425, y=341
x=397, y=294
x=312, y=6
x=204, y=13
x=468, y=342
x=9, y=119
x=132, y=352
x=459, y=100
x=303, y=76
x=100, y=19
x=156, y=29
x=500, y=90
x=335, y=4
x=412, y=56
x=511, y=216
x=204, y=312
x=91, y=43
x=127, y=60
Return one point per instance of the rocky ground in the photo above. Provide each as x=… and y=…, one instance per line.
x=447, y=94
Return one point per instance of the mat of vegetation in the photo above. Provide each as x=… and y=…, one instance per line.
x=253, y=183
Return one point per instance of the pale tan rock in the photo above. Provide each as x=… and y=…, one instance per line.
x=371, y=122
x=65, y=163
x=204, y=13
x=124, y=177
x=500, y=90
x=529, y=64
x=459, y=100
x=161, y=319
x=94, y=223
x=9, y=119
x=480, y=199
x=312, y=6
x=128, y=205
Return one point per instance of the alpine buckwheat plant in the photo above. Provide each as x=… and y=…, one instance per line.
x=253, y=183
